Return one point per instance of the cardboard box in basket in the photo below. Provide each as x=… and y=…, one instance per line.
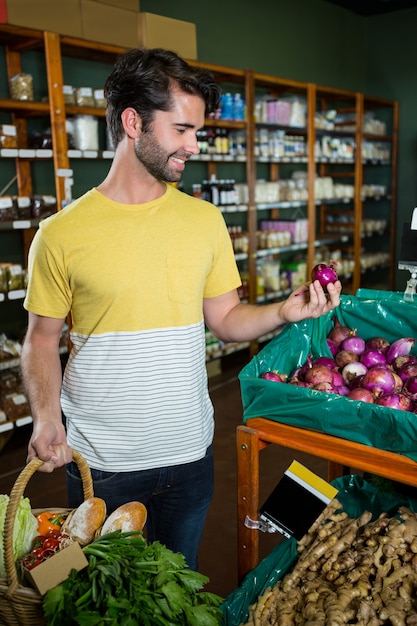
x=57, y=568
x=58, y=17
x=372, y=313
x=108, y=24
x=157, y=31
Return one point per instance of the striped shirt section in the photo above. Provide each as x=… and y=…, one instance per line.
x=140, y=397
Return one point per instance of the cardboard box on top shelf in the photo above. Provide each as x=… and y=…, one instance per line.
x=108, y=24
x=129, y=5
x=157, y=31
x=59, y=17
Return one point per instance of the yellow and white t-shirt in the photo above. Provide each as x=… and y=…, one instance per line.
x=134, y=277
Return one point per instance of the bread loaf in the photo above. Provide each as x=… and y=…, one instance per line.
x=83, y=524
x=127, y=518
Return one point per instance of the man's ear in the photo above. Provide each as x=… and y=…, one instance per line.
x=132, y=123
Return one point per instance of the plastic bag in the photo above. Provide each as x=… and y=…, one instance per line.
x=356, y=495
x=372, y=313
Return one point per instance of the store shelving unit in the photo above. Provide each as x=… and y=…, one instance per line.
x=256, y=165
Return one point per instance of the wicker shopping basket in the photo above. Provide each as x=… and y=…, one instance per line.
x=20, y=605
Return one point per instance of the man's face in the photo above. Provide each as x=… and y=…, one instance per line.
x=170, y=140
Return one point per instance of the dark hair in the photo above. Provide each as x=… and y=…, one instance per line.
x=144, y=78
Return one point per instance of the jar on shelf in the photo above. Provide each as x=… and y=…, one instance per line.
x=99, y=98
x=85, y=132
x=69, y=95
x=21, y=87
x=84, y=97
x=8, y=136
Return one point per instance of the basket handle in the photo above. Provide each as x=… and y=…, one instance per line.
x=15, y=495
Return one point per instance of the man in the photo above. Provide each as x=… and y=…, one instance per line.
x=142, y=268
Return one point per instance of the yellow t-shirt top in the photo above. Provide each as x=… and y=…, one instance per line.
x=134, y=278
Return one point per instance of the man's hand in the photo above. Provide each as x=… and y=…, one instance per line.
x=310, y=301
x=49, y=443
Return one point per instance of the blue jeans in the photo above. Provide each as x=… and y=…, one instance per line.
x=177, y=499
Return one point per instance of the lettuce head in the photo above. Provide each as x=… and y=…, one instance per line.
x=24, y=531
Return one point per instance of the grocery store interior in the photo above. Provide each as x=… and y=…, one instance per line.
x=346, y=59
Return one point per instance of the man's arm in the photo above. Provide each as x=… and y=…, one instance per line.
x=42, y=377
x=231, y=320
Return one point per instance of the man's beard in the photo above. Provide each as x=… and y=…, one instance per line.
x=154, y=158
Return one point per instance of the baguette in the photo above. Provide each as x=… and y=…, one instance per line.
x=126, y=518
x=83, y=524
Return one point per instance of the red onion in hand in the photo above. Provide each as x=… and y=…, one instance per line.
x=324, y=273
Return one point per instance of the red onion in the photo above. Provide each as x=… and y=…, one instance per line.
x=398, y=382
x=327, y=361
x=352, y=370
x=399, y=361
x=399, y=401
x=353, y=344
x=306, y=366
x=356, y=382
x=343, y=390
x=325, y=386
x=318, y=374
x=274, y=376
x=361, y=394
x=338, y=380
x=345, y=356
x=324, y=273
x=338, y=332
x=400, y=347
x=333, y=346
x=299, y=383
x=410, y=387
x=407, y=370
x=379, y=380
x=377, y=343
x=372, y=356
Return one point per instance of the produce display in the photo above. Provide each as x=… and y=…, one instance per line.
x=349, y=571
x=374, y=370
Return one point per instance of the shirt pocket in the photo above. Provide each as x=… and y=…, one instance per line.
x=186, y=278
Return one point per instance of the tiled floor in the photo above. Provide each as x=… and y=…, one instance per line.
x=218, y=554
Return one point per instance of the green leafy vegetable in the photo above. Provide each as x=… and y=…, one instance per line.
x=129, y=582
x=25, y=529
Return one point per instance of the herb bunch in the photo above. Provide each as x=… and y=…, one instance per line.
x=129, y=582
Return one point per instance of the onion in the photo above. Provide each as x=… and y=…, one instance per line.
x=400, y=347
x=306, y=366
x=361, y=394
x=356, y=382
x=410, y=387
x=399, y=361
x=319, y=374
x=377, y=343
x=407, y=370
x=325, y=386
x=398, y=382
x=372, y=356
x=338, y=380
x=299, y=383
x=353, y=344
x=274, y=376
x=338, y=332
x=333, y=346
x=343, y=390
x=399, y=401
x=345, y=356
x=327, y=361
x=352, y=370
x=379, y=380
x=324, y=273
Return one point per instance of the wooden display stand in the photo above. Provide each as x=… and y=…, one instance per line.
x=342, y=455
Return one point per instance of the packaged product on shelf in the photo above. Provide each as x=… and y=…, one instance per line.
x=8, y=136
x=15, y=405
x=86, y=132
x=270, y=269
x=21, y=87
x=84, y=97
x=8, y=211
x=43, y=206
x=4, y=277
x=296, y=272
x=15, y=277
x=23, y=207
x=99, y=99
x=69, y=95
